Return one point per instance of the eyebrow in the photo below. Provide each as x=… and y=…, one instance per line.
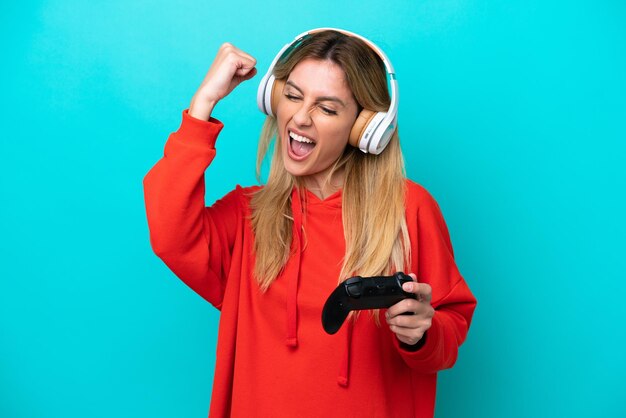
x=320, y=98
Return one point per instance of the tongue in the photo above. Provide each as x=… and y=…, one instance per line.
x=301, y=148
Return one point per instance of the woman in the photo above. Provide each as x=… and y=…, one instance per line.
x=269, y=256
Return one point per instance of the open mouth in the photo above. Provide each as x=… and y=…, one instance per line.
x=300, y=146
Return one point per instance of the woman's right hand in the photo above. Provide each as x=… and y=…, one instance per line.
x=230, y=67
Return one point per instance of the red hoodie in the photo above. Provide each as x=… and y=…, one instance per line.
x=273, y=357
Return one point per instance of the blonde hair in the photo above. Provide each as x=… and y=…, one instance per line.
x=374, y=224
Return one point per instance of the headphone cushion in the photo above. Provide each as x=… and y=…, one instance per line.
x=276, y=91
x=361, y=123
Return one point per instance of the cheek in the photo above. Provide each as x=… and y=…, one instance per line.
x=340, y=148
x=280, y=111
x=333, y=149
x=340, y=138
x=279, y=116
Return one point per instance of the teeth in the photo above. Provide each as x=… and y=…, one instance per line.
x=300, y=138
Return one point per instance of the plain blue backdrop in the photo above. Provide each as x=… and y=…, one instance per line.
x=512, y=114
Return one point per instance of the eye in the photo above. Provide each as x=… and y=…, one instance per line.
x=328, y=111
x=290, y=97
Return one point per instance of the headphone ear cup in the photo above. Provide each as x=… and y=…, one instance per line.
x=277, y=90
x=364, y=118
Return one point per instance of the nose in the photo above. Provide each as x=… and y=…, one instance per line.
x=302, y=116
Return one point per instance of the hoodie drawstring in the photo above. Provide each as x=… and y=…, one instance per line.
x=293, y=276
x=344, y=368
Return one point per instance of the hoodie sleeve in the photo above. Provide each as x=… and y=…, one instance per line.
x=452, y=299
x=194, y=241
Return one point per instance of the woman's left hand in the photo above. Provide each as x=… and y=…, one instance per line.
x=411, y=328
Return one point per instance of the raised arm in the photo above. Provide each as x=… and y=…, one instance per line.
x=193, y=240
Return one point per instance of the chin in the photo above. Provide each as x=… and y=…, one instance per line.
x=294, y=171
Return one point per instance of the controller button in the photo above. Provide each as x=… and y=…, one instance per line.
x=354, y=290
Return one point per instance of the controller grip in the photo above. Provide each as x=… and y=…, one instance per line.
x=335, y=311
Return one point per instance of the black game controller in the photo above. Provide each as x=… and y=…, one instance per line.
x=357, y=293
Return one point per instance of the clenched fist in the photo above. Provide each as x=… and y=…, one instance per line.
x=230, y=67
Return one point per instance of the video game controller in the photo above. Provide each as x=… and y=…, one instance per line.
x=357, y=293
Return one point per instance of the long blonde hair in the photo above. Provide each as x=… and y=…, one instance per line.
x=375, y=230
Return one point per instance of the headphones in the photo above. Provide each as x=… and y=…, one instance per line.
x=371, y=131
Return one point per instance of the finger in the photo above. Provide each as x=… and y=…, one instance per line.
x=422, y=290
x=241, y=61
x=410, y=285
x=406, y=305
x=242, y=53
x=405, y=321
x=409, y=333
x=421, y=319
x=245, y=54
x=245, y=63
x=251, y=74
x=425, y=291
x=405, y=331
x=244, y=72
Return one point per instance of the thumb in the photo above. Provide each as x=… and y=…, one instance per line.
x=249, y=73
x=243, y=71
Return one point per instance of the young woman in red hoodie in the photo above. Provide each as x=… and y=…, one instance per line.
x=333, y=207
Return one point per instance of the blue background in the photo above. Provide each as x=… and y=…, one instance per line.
x=512, y=114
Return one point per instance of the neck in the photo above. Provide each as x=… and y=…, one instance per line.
x=319, y=187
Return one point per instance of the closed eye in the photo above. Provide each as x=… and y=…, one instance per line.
x=325, y=110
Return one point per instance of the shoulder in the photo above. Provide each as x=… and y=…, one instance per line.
x=248, y=191
x=245, y=194
x=418, y=196
x=239, y=196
